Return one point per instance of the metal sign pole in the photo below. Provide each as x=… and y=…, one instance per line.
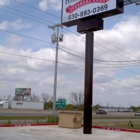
x=87, y=129
x=88, y=16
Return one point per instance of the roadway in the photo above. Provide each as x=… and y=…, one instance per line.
x=18, y=112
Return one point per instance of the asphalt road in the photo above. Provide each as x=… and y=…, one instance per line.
x=24, y=114
x=16, y=112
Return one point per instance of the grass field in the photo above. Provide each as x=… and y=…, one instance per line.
x=115, y=122
x=121, y=123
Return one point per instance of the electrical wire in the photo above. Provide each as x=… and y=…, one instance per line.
x=103, y=48
x=128, y=61
x=24, y=13
x=25, y=36
x=28, y=37
x=23, y=16
x=36, y=9
x=45, y=42
x=115, y=46
x=73, y=67
x=93, y=62
x=63, y=50
x=47, y=24
x=69, y=30
x=80, y=57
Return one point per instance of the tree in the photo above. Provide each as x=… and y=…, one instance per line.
x=135, y=108
x=33, y=98
x=96, y=107
x=45, y=97
x=77, y=98
x=70, y=107
x=17, y=98
x=48, y=105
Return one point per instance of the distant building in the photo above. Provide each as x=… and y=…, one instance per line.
x=116, y=109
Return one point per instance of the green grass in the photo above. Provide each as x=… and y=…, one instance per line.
x=114, y=117
x=44, y=117
x=99, y=120
x=126, y=125
x=22, y=117
x=35, y=119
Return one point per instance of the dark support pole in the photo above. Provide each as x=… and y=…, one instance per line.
x=22, y=97
x=87, y=129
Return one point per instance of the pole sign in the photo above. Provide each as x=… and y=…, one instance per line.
x=61, y=100
x=60, y=104
x=23, y=91
x=73, y=11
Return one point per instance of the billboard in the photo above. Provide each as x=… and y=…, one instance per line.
x=75, y=10
x=23, y=91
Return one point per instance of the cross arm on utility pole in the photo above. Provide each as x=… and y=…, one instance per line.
x=56, y=25
x=127, y=2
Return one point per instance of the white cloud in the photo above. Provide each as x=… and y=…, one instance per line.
x=18, y=25
x=50, y=4
x=4, y=2
x=4, y=25
x=43, y=5
x=14, y=39
x=39, y=74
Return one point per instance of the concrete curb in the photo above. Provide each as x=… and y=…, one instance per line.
x=116, y=129
x=47, y=124
x=18, y=125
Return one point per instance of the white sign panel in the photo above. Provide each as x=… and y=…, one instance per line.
x=78, y=9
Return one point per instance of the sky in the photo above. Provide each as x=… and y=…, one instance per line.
x=27, y=55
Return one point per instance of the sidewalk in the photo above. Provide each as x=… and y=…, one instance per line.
x=58, y=133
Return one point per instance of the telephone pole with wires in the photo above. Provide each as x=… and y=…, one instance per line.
x=56, y=38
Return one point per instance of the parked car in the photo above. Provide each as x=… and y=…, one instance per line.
x=137, y=114
x=101, y=112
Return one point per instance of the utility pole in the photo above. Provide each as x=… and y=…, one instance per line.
x=55, y=39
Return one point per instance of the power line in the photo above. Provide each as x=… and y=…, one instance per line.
x=46, y=24
x=42, y=59
x=112, y=51
x=39, y=40
x=115, y=79
x=102, y=61
x=93, y=61
x=25, y=36
x=72, y=54
x=45, y=41
x=68, y=30
x=120, y=56
x=23, y=13
x=70, y=66
x=115, y=46
x=23, y=16
x=72, y=50
x=36, y=9
x=82, y=57
x=98, y=60
x=119, y=66
x=101, y=45
x=118, y=61
x=26, y=56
